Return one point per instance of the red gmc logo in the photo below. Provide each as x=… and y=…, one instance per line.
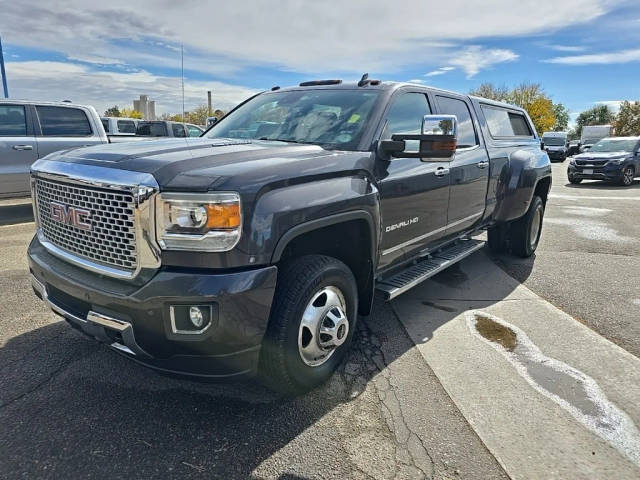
x=77, y=217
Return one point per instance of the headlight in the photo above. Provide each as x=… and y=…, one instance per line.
x=616, y=161
x=209, y=222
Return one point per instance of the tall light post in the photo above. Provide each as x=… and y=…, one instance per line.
x=3, y=73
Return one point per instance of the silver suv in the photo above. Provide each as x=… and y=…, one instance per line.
x=30, y=130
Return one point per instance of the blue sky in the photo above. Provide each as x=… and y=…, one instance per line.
x=581, y=51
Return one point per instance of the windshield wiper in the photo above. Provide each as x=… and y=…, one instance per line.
x=279, y=140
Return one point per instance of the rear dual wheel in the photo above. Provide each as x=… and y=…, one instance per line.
x=520, y=236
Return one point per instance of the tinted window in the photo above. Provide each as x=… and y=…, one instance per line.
x=105, y=124
x=405, y=116
x=126, y=126
x=503, y=123
x=152, y=129
x=12, y=121
x=178, y=130
x=194, y=131
x=62, y=121
x=466, y=130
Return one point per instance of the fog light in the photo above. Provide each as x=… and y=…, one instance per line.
x=190, y=319
x=196, y=317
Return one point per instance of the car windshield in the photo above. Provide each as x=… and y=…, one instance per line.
x=554, y=141
x=331, y=118
x=615, y=145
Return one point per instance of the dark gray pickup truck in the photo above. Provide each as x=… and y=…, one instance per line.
x=255, y=248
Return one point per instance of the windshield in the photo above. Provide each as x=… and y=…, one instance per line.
x=614, y=145
x=331, y=118
x=554, y=141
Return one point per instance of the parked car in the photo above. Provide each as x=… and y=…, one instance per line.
x=165, y=128
x=556, y=145
x=615, y=159
x=233, y=254
x=32, y=130
x=120, y=125
x=592, y=134
x=574, y=148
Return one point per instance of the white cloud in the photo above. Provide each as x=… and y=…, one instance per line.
x=623, y=56
x=38, y=80
x=416, y=80
x=223, y=38
x=475, y=58
x=439, y=71
x=566, y=48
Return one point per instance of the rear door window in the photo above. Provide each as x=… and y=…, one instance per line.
x=152, y=129
x=63, y=121
x=13, y=122
x=178, y=130
x=466, y=131
x=503, y=123
x=194, y=131
x=126, y=126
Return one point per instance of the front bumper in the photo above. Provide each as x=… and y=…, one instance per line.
x=609, y=172
x=557, y=154
x=135, y=320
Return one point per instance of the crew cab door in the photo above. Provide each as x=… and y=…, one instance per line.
x=18, y=149
x=469, y=168
x=414, y=192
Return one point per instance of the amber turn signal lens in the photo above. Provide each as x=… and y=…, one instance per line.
x=223, y=216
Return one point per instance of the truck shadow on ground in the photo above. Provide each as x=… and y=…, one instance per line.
x=20, y=213
x=70, y=407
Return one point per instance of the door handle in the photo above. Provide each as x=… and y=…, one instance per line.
x=23, y=147
x=442, y=171
x=483, y=164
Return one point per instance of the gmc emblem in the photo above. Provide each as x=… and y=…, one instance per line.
x=77, y=217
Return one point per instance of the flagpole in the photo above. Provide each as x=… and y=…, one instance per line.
x=3, y=73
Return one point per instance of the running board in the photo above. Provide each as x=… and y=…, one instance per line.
x=427, y=268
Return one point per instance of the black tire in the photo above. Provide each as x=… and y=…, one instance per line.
x=628, y=174
x=574, y=180
x=520, y=232
x=497, y=238
x=282, y=366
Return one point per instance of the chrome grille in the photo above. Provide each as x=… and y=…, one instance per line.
x=110, y=241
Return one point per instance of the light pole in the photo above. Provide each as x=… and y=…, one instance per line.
x=3, y=73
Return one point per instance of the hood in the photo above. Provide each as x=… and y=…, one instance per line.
x=601, y=155
x=200, y=164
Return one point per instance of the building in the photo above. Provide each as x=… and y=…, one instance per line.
x=146, y=107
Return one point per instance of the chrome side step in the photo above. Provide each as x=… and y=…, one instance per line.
x=427, y=268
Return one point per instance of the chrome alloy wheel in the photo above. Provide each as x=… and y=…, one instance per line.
x=324, y=326
x=536, y=225
x=627, y=176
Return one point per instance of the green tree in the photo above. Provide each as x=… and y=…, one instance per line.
x=112, y=112
x=598, y=115
x=490, y=91
x=562, y=117
x=627, y=122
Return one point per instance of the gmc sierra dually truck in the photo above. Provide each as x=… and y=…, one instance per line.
x=255, y=248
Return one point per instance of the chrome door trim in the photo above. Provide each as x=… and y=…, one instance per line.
x=429, y=234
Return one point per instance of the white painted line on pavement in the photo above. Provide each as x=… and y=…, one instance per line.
x=590, y=197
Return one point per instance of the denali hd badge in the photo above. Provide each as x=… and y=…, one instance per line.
x=404, y=223
x=77, y=217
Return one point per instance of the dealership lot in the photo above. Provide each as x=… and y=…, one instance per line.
x=452, y=407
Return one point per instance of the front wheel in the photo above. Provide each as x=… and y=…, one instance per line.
x=524, y=233
x=628, y=174
x=313, y=319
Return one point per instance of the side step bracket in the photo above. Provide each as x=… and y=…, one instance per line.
x=427, y=268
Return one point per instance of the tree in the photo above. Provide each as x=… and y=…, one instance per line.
x=530, y=96
x=598, y=115
x=112, y=112
x=627, y=122
x=562, y=117
x=130, y=113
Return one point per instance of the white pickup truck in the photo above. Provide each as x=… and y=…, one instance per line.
x=30, y=130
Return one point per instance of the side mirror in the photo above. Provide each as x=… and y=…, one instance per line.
x=438, y=139
x=541, y=145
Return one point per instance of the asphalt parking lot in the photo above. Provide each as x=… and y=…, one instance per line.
x=421, y=396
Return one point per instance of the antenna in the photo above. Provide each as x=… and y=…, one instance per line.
x=182, y=77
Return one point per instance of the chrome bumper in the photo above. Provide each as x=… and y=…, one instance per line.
x=96, y=324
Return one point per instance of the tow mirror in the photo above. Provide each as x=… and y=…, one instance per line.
x=438, y=139
x=541, y=145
